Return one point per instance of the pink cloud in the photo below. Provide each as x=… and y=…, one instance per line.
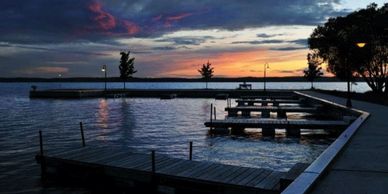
x=170, y=19
x=105, y=20
x=131, y=27
x=178, y=17
x=157, y=18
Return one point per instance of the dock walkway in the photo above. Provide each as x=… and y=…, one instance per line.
x=277, y=123
x=265, y=110
x=274, y=102
x=135, y=169
x=361, y=167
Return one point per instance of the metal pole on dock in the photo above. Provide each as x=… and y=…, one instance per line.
x=191, y=151
x=42, y=161
x=215, y=115
x=82, y=133
x=153, y=160
x=211, y=115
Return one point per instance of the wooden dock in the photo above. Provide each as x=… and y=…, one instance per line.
x=274, y=102
x=265, y=110
x=155, y=93
x=167, y=175
x=268, y=126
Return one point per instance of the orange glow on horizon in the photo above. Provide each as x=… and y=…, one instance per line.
x=246, y=64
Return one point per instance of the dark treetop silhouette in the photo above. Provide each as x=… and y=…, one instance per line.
x=127, y=68
x=206, y=71
x=336, y=43
x=313, y=70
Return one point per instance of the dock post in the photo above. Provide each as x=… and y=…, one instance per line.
x=211, y=116
x=42, y=160
x=191, y=151
x=82, y=133
x=215, y=114
x=153, y=160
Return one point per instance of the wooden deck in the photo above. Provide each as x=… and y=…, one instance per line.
x=271, y=108
x=275, y=102
x=177, y=175
x=277, y=123
x=271, y=96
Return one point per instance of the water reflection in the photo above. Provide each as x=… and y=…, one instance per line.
x=103, y=118
x=127, y=120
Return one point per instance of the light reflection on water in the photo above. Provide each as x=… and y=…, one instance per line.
x=133, y=123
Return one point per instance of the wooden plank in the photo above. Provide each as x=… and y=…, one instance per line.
x=72, y=153
x=63, y=152
x=254, y=173
x=241, y=176
x=256, y=180
x=117, y=156
x=168, y=162
x=126, y=161
x=213, y=171
x=222, y=176
x=82, y=154
x=236, y=173
x=184, y=166
x=270, y=181
x=138, y=161
x=199, y=169
x=172, y=168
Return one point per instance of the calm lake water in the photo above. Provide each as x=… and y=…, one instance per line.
x=134, y=123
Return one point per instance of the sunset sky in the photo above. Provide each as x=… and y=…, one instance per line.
x=168, y=38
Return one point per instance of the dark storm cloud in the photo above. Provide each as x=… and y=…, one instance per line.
x=50, y=21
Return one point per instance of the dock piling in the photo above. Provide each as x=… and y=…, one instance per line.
x=82, y=133
x=191, y=150
x=211, y=114
x=215, y=114
x=153, y=160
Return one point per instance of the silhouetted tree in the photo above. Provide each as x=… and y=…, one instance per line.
x=127, y=68
x=313, y=69
x=206, y=71
x=336, y=43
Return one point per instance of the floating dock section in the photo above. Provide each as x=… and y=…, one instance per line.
x=336, y=119
x=127, y=170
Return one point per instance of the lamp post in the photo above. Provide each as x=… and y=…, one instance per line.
x=266, y=66
x=104, y=70
x=349, y=95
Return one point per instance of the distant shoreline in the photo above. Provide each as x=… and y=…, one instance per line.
x=115, y=79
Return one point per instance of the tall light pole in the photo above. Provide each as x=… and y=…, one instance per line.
x=266, y=66
x=349, y=95
x=103, y=69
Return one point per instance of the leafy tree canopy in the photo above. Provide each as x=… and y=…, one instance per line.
x=336, y=43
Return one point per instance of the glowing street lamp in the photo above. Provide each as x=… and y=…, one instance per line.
x=266, y=66
x=360, y=44
x=103, y=69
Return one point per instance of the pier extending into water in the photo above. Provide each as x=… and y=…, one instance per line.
x=125, y=170
x=333, y=119
x=154, y=93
